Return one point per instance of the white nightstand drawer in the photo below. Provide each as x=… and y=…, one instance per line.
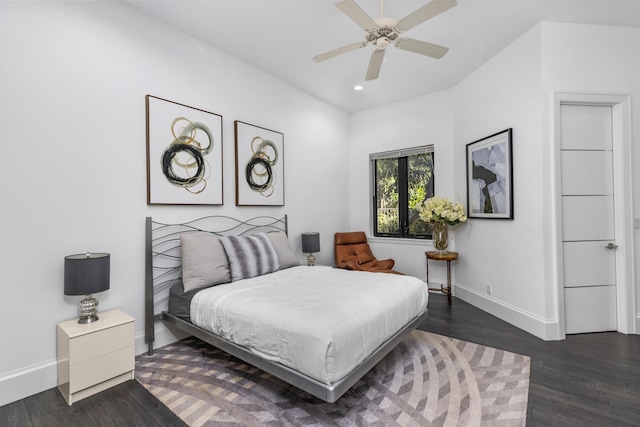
x=100, y=369
x=90, y=346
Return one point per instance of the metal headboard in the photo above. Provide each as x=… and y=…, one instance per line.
x=163, y=258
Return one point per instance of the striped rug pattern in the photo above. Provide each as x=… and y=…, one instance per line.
x=427, y=380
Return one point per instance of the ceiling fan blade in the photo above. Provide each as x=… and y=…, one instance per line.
x=375, y=63
x=423, y=48
x=426, y=12
x=357, y=15
x=339, y=51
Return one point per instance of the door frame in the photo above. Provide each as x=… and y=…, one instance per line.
x=623, y=205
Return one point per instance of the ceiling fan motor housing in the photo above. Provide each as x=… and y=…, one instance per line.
x=386, y=28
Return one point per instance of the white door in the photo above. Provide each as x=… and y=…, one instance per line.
x=588, y=218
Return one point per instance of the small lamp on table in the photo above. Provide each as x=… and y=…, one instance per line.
x=86, y=274
x=311, y=245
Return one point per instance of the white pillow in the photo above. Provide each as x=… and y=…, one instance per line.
x=250, y=256
x=204, y=261
x=280, y=241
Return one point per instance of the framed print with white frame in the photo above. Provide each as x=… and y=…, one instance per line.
x=259, y=166
x=490, y=177
x=184, y=154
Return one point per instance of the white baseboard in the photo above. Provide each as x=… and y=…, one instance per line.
x=28, y=381
x=546, y=329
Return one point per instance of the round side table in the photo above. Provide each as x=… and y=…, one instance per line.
x=442, y=256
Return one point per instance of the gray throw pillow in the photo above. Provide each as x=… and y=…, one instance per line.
x=280, y=241
x=204, y=261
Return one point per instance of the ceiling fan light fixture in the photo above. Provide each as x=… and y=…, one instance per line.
x=382, y=42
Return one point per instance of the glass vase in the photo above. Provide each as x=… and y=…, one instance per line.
x=440, y=237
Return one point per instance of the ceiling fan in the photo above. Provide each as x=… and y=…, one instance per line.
x=384, y=31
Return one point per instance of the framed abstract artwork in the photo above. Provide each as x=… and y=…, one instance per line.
x=184, y=154
x=490, y=177
x=259, y=166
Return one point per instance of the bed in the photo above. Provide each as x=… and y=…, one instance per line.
x=236, y=285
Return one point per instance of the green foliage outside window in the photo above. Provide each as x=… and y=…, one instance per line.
x=401, y=183
x=420, y=171
x=387, y=195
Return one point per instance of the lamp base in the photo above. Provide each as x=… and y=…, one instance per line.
x=88, y=309
x=311, y=260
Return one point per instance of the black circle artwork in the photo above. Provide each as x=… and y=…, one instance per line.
x=250, y=170
x=169, y=157
x=259, y=172
x=186, y=155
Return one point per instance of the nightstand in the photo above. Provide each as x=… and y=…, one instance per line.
x=95, y=356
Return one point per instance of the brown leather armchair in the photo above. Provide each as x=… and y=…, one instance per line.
x=353, y=253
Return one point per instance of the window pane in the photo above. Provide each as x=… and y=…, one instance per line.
x=420, y=188
x=387, y=218
x=401, y=179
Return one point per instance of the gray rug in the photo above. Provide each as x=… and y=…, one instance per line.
x=426, y=380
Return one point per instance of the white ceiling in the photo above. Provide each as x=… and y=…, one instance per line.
x=281, y=36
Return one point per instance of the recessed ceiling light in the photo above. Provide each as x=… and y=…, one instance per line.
x=358, y=87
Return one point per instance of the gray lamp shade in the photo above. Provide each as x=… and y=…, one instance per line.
x=310, y=242
x=86, y=274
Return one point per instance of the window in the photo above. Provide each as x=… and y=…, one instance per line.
x=401, y=179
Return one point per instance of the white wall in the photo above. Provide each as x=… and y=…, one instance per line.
x=504, y=93
x=418, y=121
x=508, y=254
x=73, y=77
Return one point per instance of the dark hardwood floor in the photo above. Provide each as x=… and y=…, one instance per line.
x=585, y=380
x=127, y=404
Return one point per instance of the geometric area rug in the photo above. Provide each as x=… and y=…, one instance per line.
x=427, y=380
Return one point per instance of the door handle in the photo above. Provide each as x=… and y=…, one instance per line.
x=611, y=246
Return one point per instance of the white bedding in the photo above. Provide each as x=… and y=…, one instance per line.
x=320, y=321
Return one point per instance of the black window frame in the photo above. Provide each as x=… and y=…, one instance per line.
x=402, y=157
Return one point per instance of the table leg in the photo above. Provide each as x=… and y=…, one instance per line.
x=449, y=282
x=427, y=272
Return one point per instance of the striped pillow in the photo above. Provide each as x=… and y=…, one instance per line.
x=250, y=256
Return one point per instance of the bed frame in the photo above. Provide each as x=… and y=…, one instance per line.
x=163, y=268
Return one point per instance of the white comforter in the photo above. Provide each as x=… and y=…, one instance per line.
x=320, y=321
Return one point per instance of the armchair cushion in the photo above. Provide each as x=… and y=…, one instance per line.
x=352, y=252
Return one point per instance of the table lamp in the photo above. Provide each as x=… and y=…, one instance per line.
x=310, y=245
x=86, y=274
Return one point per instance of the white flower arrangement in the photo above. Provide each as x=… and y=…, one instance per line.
x=441, y=210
